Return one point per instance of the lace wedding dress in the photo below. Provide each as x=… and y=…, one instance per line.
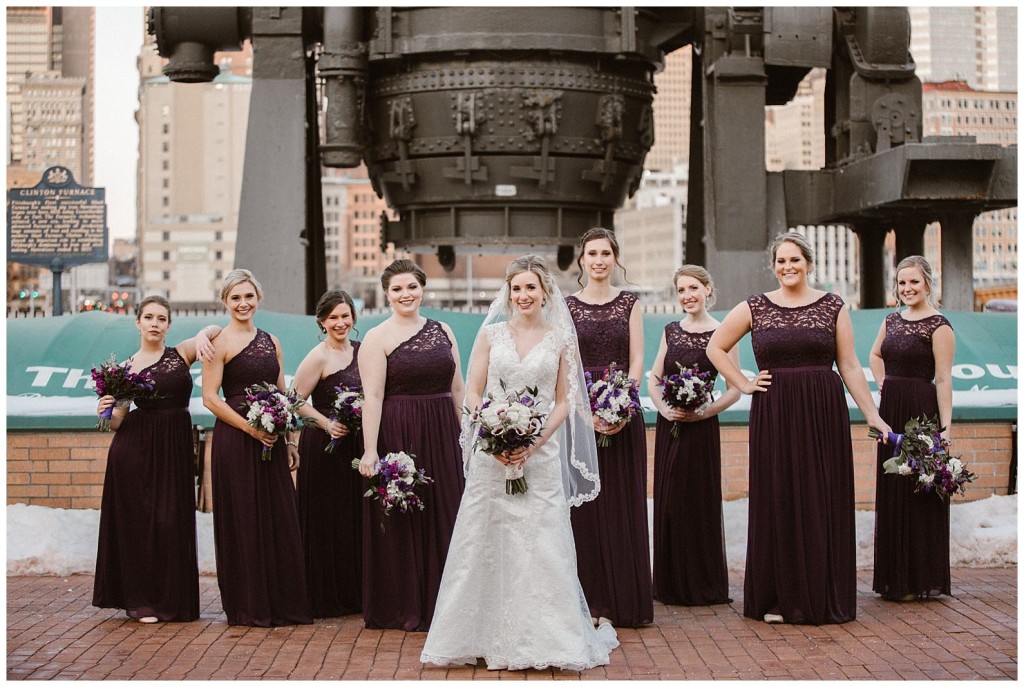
x=510, y=593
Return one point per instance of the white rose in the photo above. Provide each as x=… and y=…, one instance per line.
x=904, y=469
x=927, y=440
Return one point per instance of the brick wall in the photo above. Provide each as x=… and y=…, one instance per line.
x=65, y=469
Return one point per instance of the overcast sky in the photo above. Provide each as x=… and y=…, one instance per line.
x=118, y=41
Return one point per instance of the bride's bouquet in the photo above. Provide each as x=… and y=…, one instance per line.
x=922, y=453
x=688, y=389
x=614, y=398
x=276, y=412
x=505, y=423
x=348, y=410
x=121, y=383
x=395, y=483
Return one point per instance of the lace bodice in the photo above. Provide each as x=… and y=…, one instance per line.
x=172, y=380
x=539, y=367
x=603, y=330
x=254, y=364
x=323, y=393
x=907, y=346
x=422, y=364
x=794, y=337
x=689, y=349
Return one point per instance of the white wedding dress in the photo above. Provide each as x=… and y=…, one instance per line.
x=510, y=593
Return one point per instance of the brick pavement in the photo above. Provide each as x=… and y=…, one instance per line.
x=53, y=632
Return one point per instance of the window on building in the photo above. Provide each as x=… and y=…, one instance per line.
x=167, y=128
x=167, y=275
x=165, y=236
x=166, y=147
x=166, y=201
x=166, y=165
x=166, y=255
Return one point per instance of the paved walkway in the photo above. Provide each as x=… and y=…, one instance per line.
x=53, y=632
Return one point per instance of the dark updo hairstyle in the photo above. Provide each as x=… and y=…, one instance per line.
x=402, y=266
x=159, y=300
x=331, y=300
x=599, y=233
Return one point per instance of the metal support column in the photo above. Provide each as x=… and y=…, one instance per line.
x=957, y=261
x=909, y=238
x=872, y=272
x=735, y=179
x=273, y=223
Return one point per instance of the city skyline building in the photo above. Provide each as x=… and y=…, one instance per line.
x=976, y=45
x=191, y=155
x=50, y=91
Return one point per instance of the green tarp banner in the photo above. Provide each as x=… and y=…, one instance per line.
x=49, y=359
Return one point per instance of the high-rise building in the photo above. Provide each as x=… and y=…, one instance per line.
x=976, y=45
x=50, y=85
x=671, y=112
x=191, y=154
x=794, y=133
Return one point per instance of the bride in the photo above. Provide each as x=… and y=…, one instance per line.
x=510, y=593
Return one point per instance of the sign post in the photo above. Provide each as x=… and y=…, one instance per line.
x=57, y=224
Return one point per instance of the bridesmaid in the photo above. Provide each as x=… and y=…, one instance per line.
x=801, y=543
x=612, y=542
x=330, y=491
x=146, y=558
x=689, y=535
x=414, y=391
x=913, y=348
x=255, y=520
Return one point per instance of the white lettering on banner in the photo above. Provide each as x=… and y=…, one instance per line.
x=75, y=376
x=995, y=371
x=43, y=373
x=968, y=371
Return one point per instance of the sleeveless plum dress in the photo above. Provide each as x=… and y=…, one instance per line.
x=911, y=530
x=146, y=558
x=330, y=496
x=801, y=543
x=611, y=532
x=402, y=566
x=689, y=534
x=255, y=516
x=510, y=592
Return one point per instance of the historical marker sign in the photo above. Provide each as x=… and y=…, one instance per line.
x=57, y=223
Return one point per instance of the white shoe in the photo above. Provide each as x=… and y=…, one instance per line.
x=149, y=619
x=773, y=618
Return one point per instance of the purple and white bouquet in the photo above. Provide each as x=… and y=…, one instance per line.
x=274, y=411
x=121, y=383
x=348, y=410
x=921, y=452
x=505, y=423
x=688, y=389
x=396, y=482
x=614, y=398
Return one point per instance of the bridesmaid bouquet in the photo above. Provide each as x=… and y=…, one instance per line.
x=121, y=383
x=921, y=452
x=688, y=389
x=508, y=422
x=613, y=398
x=395, y=483
x=348, y=410
x=274, y=411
